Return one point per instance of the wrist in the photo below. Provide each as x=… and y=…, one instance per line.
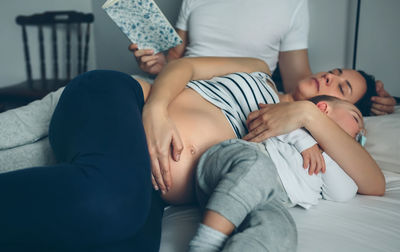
x=310, y=114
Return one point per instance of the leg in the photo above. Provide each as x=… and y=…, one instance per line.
x=234, y=177
x=269, y=227
x=100, y=192
x=237, y=177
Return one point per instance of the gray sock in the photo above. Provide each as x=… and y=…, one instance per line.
x=207, y=239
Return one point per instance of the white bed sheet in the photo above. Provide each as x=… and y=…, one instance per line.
x=366, y=223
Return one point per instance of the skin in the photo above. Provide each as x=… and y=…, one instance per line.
x=294, y=66
x=345, y=114
x=180, y=125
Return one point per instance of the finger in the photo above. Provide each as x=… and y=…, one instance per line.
x=148, y=65
x=377, y=112
x=165, y=172
x=312, y=167
x=155, y=170
x=143, y=52
x=253, y=115
x=258, y=122
x=255, y=131
x=261, y=137
x=383, y=108
x=148, y=58
x=133, y=47
x=177, y=147
x=153, y=181
x=378, y=86
x=306, y=161
x=384, y=100
x=318, y=165
x=323, y=165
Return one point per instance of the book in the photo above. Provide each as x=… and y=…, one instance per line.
x=143, y=23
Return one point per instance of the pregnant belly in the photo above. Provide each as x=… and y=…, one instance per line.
x=200, y=125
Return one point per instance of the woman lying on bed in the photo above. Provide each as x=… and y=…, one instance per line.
x=99, y=195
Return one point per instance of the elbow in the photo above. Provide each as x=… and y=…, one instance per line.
x=263, y=66
x=377, y=190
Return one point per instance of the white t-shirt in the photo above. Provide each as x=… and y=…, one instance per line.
x=244, y=28
x=304, y=189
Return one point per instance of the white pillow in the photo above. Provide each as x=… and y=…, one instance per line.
x=383, y=140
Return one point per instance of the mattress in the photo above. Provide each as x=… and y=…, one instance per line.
x=365, y=223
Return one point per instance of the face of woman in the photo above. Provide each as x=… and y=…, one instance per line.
x=344, y=84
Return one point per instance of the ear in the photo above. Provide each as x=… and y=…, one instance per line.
x=323, y=107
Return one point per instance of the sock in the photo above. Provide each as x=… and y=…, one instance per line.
x=207, y=239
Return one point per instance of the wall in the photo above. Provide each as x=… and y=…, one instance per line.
x=11, y=48
x=330, y=44
x=379, y=47
x=112, y=45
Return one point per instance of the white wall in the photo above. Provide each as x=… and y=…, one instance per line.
x=331, y=33
x=11, y=49
x=330, y=43
x=379, y=37
x=112, y=45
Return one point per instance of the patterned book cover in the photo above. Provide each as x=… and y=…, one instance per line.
x=144, y=23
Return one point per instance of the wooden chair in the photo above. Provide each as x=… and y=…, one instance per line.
x=55, y=22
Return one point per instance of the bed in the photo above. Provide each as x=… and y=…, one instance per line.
x=366, y=223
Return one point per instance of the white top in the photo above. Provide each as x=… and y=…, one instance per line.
x=304, y=189
x=251, y=28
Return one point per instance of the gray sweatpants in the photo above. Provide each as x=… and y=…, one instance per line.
x=238, y=180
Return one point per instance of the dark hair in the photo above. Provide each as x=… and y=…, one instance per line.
x=365, y=103
x=327, y=98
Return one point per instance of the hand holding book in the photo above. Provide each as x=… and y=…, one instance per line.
x=143, y=23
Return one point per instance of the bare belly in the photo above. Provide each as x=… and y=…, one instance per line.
x=200, y=125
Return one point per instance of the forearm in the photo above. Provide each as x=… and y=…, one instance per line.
x=342, y=148
x=169, y=83
x=293, y=66
x=174, y=77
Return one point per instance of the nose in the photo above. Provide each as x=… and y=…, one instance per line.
x=329, y=79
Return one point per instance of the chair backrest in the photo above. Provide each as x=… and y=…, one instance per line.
x=55, y=19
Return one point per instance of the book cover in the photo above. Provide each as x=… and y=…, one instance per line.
x=143, y=23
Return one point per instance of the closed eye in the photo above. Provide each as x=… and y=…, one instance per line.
x=341, y=89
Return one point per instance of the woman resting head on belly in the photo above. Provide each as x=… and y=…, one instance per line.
x=173, y=139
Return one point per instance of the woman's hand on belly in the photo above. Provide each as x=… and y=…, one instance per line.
x=163, y=141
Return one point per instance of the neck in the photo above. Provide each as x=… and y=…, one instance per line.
x=286, y=97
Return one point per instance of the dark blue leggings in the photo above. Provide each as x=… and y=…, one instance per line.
x=99, y=196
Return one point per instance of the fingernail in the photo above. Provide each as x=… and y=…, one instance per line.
x=156, y=188
x=163, y=192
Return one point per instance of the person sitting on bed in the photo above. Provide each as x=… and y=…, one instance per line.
x=247, y=186
x=269, y=30
x=110, y=135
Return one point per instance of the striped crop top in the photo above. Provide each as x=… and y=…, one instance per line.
x=237, y=95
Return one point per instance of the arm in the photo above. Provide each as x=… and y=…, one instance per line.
x=338, y=186
x=308, y=148
x=293, y=66
x=354, y=160
x=161, y=132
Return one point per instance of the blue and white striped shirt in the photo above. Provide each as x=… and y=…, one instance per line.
x=237, y=95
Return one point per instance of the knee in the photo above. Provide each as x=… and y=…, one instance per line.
x=110, y=216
